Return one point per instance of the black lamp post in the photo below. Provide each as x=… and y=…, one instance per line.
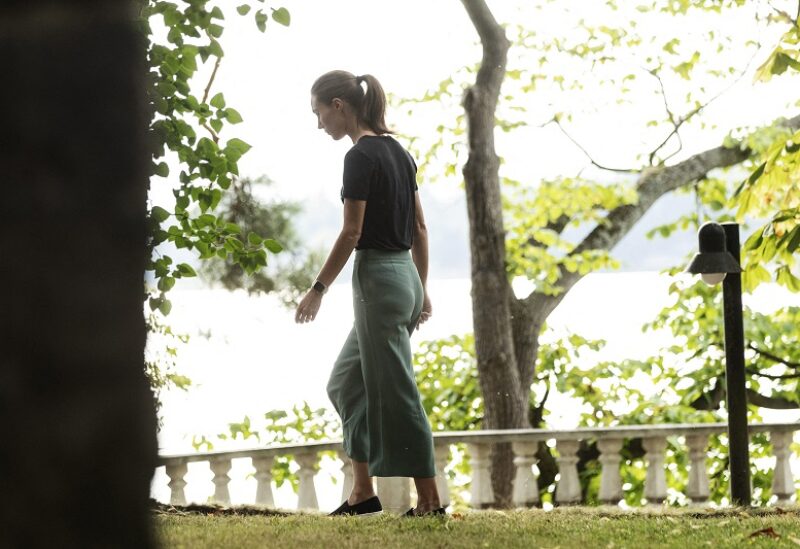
x=717, y=261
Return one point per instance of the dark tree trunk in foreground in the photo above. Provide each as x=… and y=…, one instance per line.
x=78, y=441
x=507, y=328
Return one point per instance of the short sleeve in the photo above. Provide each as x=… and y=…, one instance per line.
x=358, y=174
x=414, y=165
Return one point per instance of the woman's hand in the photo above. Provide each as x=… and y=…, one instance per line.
x=427, y=310
x=308, y=308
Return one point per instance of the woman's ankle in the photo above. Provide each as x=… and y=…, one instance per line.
x=427, y=506
x=357, y=497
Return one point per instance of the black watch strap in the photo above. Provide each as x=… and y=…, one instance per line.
x=320, y=287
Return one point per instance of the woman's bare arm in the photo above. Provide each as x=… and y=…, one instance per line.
x=419, y=248
x=419, y=253
x=337, y=258
x=347, y=241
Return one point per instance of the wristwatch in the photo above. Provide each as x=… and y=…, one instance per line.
x=320, y=287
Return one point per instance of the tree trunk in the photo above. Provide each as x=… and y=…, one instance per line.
x=79, y=427
x=505, y=402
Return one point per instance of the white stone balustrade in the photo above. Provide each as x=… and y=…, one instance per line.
x=263, y=467
x=697, y=488
x=221, y=467
x=655, y=482
x=526, y=490
x=395, y=492
x=782, y=479
x=306, y=492
x=481, y=493
x=610, y=478
x=568, y=489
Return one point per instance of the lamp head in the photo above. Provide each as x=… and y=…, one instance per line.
x=714, y=260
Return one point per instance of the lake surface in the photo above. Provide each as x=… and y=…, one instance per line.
x=246, y=356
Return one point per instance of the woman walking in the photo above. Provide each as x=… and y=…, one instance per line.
x=372, y=385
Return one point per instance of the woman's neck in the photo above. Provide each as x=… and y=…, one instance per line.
x=359, y=132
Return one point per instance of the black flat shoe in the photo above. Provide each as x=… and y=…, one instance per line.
x=436, y=512
x=371, y=506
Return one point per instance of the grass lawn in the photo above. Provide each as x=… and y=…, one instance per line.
x=584, y=528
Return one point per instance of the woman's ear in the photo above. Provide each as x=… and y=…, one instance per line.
x=337, y=103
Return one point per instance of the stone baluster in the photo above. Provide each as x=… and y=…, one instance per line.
x=307, y=493
x=697, y=488
x=569, y=487
x=441, y=454
x=526, y=490
x=394, y=493
x=176, y=472
x=221, y=467
x=782, y=479
x=481, y=492
x=655, y=483
x=263, y=467
x=610, y=479
x=347, y=471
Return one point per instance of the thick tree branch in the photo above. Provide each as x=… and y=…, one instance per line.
x=556, y=226
x=755, y=372
x=774, y=358
x=652, y=185
x=710, y=400
x=774, y=403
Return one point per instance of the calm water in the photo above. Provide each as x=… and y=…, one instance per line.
x=246, y=356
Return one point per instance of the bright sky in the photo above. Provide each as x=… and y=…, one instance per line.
x=411, y=46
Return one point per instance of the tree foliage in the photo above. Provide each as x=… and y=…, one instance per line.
x=291, y=273
x=773, y=188
x=214, y=219
x=188, y=123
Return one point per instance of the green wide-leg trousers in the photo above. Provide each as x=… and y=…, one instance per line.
x=372, y=385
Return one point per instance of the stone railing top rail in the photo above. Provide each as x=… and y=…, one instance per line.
x=495, y=436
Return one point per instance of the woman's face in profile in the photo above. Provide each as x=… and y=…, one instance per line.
x=330, y=117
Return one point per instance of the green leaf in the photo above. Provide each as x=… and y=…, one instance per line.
x=165, y=307
x=233, y=116
x=166, y=283
x=186, y=270
x=254, y=239
x=216, y=124
x=172, y=17
x=215, y=30
x=161, y=169
x=273, y=245
x=159, y=214
x=794, y=241
x=235, y=148
x=261, y=20
x=214, y=48
x=244, y=9
x=216, y=13
x=281, y=15
x=218, y=101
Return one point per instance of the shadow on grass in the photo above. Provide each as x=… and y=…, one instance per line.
x=210, y=509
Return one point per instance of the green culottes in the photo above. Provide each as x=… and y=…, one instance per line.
x=372, y=385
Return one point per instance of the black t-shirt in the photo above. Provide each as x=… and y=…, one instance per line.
x=379, y=170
